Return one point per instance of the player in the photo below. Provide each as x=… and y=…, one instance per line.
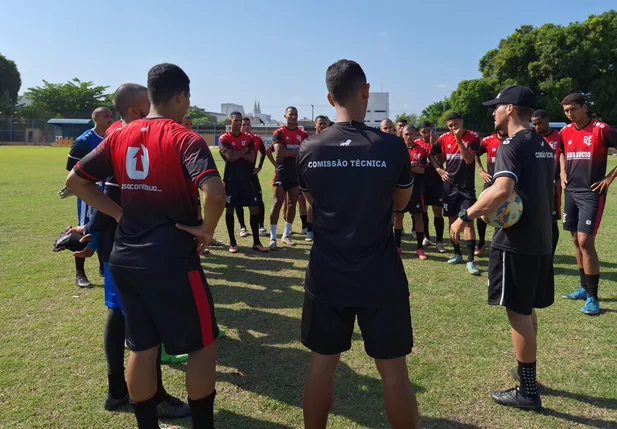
x=286, y=142
x=541, y=123
x=321, y=123
x=399, y=127
x=154, y=261
x=433, y=191
x=520, y=263
x=187, y=122
x=418, y=156
x=84, y=144
x=459, y=147
x=488, y=146
x=354, y=270
x=239, y=151
x=386, y=126
x=583, y=155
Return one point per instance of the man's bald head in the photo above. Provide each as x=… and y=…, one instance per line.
x=100, y=112
x=102, y=118
x=127, y=96
x=387, y=126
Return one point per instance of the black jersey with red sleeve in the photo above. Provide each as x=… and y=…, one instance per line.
x=261, y=148
x=290, y=139
x=554, y=140
x=418, y=156
x=461, y=173
x=489, y=146
x=158, y=164
x=586, y=152
x=240, y=170
x=430, y=174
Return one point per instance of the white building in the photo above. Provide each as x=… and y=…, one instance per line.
x=227, y=108
x=378, y=108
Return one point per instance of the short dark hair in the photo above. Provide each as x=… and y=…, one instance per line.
x=453, y=115
x=166, y=81
x=524, y=113
x=187, y=118
x=540, y=114
x=426, y=124
x=402, y=121
x=235, y=113
x=321, y=117
x=344, y=79
x=246, y=118
x=575, y=98
x=125, y=95
x=290, y=108
x=408, y=127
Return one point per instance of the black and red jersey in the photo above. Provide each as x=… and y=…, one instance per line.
x=430, y=174
x=586, y=152
x=158, y=164
x=241, y=169
x=290, y=139
x=259, y=147
x=489, y=146
x=418, y=156
x=461, y=173
x=553, y=140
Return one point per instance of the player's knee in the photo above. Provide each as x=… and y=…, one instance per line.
x=586, y=243
x=575, y=240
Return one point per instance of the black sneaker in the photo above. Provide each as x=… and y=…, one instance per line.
x=172, y=408
x=514, y=398
x=514, y=374
x=112, y=404
x=82, y=281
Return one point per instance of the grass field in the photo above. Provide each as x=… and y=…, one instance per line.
x=52, y=367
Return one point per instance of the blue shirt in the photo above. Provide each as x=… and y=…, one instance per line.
x=82, y=146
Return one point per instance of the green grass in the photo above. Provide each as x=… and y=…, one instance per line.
x=52, y=367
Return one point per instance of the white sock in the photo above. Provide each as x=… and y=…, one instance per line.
x=273, y=232
x=287, y=230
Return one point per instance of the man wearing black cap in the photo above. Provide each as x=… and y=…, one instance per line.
x=520, y=271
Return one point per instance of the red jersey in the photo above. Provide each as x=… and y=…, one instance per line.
x=586, y=152
x=241, y=169
x=553, y=140
x=290, y=139
x=430, y=174
x=418, y=155
x=461, y=174
x=157, y=163
x=113, y=127
x=489, y=146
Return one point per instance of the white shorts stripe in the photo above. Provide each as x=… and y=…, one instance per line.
x=503, y=277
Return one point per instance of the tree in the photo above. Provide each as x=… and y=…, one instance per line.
x=74, y=99
x=223, y=123
x=10, y=83
x=411, y=119
x=435, y=111
x=467, y=100
x=200, y=117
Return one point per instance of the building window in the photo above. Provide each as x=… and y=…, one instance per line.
x=380, y=111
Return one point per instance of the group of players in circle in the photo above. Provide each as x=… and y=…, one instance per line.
x=152, y=167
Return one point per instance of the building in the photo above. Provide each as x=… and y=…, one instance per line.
x=378, y=108
x=220, y=116
x=227, y=108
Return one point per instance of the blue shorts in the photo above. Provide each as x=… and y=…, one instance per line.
x=112, y=298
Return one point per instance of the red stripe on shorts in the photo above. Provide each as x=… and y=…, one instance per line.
x=203, y=307
x=599, y=215
x=422, y=202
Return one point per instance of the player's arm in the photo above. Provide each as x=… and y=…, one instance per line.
x=493, y=197
x=283, y=152
x=562, y=168
x=404, y=184
x=262, y=156
x=609, y=139
x=230, y=154
x=483, y=173
x=420, y=166
x=79, y=149
x=432, y=157
x=467, y=155
x=83, y=177
x=269, y=152
x=98, y=219
x=251, y=154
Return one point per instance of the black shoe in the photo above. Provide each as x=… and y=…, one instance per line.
x=172, y=408
x=82, y=281
x=112, y=404
x=514, y=398
x=514, y=374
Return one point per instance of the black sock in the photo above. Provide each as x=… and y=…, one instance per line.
x=303, y=218
x=254, y=221
x=425, y=221
x=419, y=238
x=592, y=281
x=202, y=412
x=229, y=220
x=114, y=353
x=398, y=233
x=79, y=265
x=145, y=413
x=471, y=247
x=309, y=226
x=555, y=236
x=439, y=226
x=413, y=224
x=527, y=374
x=581, y=273
x=240, y=214
x=457, y=248
x=262, y=213
x=481, y=232
x=160, y=390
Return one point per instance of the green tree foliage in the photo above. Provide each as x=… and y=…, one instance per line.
x=74, y=99
x=412, y=118
x=10, y=82
x=434, y=111
x=200, y=117
x=467, y=100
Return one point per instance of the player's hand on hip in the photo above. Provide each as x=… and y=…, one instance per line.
x=256, y=171
x=444, y=174
x=486, y=177
x=601, y=187
x=202, y=237
x=455, y=230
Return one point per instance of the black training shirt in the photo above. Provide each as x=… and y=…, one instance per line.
x=529, y=160
x=351, y=171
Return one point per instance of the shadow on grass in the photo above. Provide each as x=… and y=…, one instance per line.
x=606, y=403
x=227, y=419
x=585, y=421
x=433, y=423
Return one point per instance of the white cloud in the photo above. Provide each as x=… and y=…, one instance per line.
x=442, y=86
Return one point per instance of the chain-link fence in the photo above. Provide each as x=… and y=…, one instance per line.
x=30, y=132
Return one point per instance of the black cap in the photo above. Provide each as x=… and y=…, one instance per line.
x=514, y=94
x=426, y=124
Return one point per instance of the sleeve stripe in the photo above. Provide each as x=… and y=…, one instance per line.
x=205, y=173
x=88, y=176
x=302, y=189
x=74, y=157
x=506, y=173
x=404, y=186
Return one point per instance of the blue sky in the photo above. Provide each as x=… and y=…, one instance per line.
x=273, y=51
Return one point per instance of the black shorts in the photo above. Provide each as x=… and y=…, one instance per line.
x=416, y=202
x=257, y=188
x=285, y=182
x=433, y=194
x=583, y=212
x=557, y=203
x=240, y=195
x=520, y=282
x=455, y=199
x=327, y=329
x=172, y=308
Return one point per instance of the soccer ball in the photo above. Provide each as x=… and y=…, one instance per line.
x=508, y=214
